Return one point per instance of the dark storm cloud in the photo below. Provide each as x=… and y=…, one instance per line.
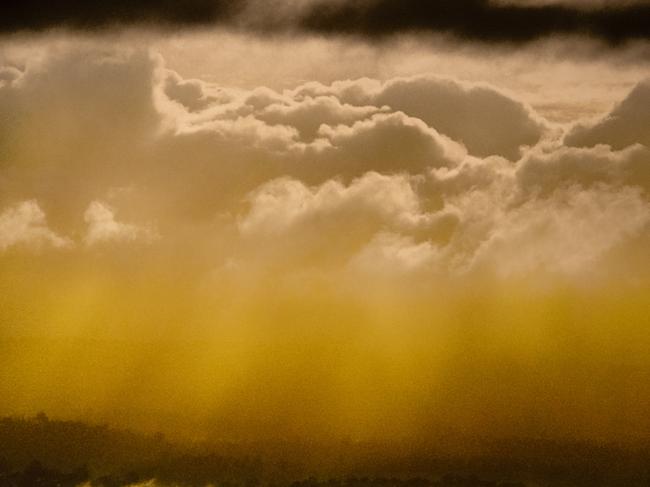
x=479, y=20
x=89, y=14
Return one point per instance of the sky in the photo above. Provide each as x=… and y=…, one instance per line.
x=371, y=219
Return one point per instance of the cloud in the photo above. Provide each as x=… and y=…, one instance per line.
x=420, y=176
x=24, y=224
x=285, y=204
x=627, y=124
x=294, y=220
x=541, y=173
x=121, y=119
x=463, y=111
x=482, y=224
x=87, y=137
x=103, y=228
x=308, y=114
x=466, y=113
x=195, y=95
x=480, y=20
x=38, y=14
x=389, y=254
x=564, y=234
x=390, y=143
x=579, y=4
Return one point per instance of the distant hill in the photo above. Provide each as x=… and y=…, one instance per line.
x=38, y=451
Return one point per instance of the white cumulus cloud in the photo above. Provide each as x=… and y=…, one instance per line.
x=24, y=224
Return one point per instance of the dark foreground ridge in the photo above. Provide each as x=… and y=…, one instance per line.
x=42, y=452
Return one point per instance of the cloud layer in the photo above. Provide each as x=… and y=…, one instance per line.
x=423, y=175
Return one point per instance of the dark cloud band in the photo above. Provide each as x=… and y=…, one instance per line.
x=90, y=14
x=478, y=20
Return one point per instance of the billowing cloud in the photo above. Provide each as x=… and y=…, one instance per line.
x=390, y=143
x=541, y=173
x=423, y=175
x=294, y=220
x=309, y=114
x=390, y=254
x=103, y=228
x=627, y=124
x=463, y=111
x=24, y=224
x=565, y=233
